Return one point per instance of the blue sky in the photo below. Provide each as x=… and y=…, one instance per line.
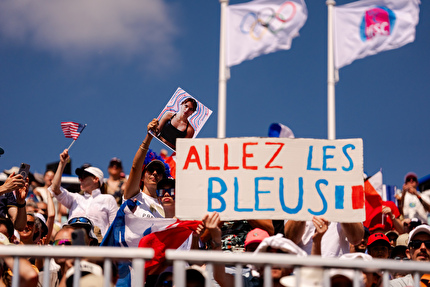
x=114, y=65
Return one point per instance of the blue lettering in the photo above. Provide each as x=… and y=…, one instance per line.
x=282, y=198
x=236, y=198
x=326, y=157
x=309, y=167
x=351, y=163
x=216, y=195
x=324, y=209
x=257, y=192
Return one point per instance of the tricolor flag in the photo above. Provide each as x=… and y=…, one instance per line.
x=261, y=27
x=375, y=219
x=277, y=130
x=367, y=27
x=72, y=130
x=129, y=230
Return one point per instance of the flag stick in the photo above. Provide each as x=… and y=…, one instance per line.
x=222, y=80
x=331, y=107
x=71, y=144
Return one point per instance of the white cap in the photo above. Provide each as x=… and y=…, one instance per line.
x=96, y=172
x=419, y=229
x=280, y=242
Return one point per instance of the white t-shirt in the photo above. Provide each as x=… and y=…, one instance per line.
x=412, y=207
x=149, y=207
x=333, y=243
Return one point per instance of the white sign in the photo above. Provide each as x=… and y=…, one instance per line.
x=270, y=178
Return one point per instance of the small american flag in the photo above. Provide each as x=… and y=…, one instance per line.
x=72, y=129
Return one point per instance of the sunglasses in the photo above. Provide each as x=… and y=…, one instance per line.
x=30, y=223
x=84, y=175
x=80, y=220
x=408, y=179
x=167, y=283
x=416, y=244
x=401, y=258
x=61, y=242
x=161, y=192
x=158, y=170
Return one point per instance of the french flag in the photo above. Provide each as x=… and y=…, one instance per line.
x=129, y=230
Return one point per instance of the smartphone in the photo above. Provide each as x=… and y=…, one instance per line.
x=78, y=237
x=24, y=170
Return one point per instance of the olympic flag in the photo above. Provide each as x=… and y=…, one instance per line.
x=367, y=27
x=261, y=27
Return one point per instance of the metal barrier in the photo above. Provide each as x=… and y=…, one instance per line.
x=181, y=258
x=107, y=254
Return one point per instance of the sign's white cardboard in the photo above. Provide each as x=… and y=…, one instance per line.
x=270, y=178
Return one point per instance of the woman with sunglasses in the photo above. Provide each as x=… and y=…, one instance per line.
x=142, y=185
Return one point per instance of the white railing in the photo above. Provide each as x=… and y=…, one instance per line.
x=180, y=260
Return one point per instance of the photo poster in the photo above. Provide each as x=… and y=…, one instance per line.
x=270, y=178
x=196, y=120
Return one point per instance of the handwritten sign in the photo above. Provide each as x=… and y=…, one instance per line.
x=270, y=178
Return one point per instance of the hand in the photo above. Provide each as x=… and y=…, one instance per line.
x=153, y=126
x=321, y=225
x=13, y=182
x=21, y=193
x=386, y=210
x=211, y=221
x=64, y=156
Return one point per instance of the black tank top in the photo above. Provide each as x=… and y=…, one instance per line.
x=170, y=133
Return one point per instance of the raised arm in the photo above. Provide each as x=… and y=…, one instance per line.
x=132, y=186
x=294, y=230
x=354, y=232
x=13, y=182
x=56, y=182
x=18, y=214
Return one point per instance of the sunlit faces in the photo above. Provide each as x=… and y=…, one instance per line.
x=152, y=175
x=28, y=229
x=419, y=247
x=88, y=182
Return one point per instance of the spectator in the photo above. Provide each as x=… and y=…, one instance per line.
x=99, y=208
x=12, y=207
x=153, y=172
x=392, y=236
x=399, y=253
x=412, y=203
x=42, y=192
x=379, y=246
x=362, y=246
x=335, y=241
x=418, y=250
x=27, y=274
x=115, y=184
x=6, y=227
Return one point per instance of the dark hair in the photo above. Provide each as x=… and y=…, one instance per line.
x=9, y=226
x=193, y=101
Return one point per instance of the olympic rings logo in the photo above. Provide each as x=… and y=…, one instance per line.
x=257, y=24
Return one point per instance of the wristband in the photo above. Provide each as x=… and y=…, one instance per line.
x=21, y=205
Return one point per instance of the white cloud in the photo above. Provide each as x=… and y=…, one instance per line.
x=87, y=27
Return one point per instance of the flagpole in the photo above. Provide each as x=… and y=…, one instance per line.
x=222, y=80
x=331, y=107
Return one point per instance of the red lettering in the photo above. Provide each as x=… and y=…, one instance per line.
x=193, y=156
x=226, y=167
x=246, y=155
x=281, y=145
x=208, y=167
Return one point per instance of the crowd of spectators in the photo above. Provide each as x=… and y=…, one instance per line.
x=32, y=212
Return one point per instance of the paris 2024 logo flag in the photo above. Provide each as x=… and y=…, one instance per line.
x=376, y=22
